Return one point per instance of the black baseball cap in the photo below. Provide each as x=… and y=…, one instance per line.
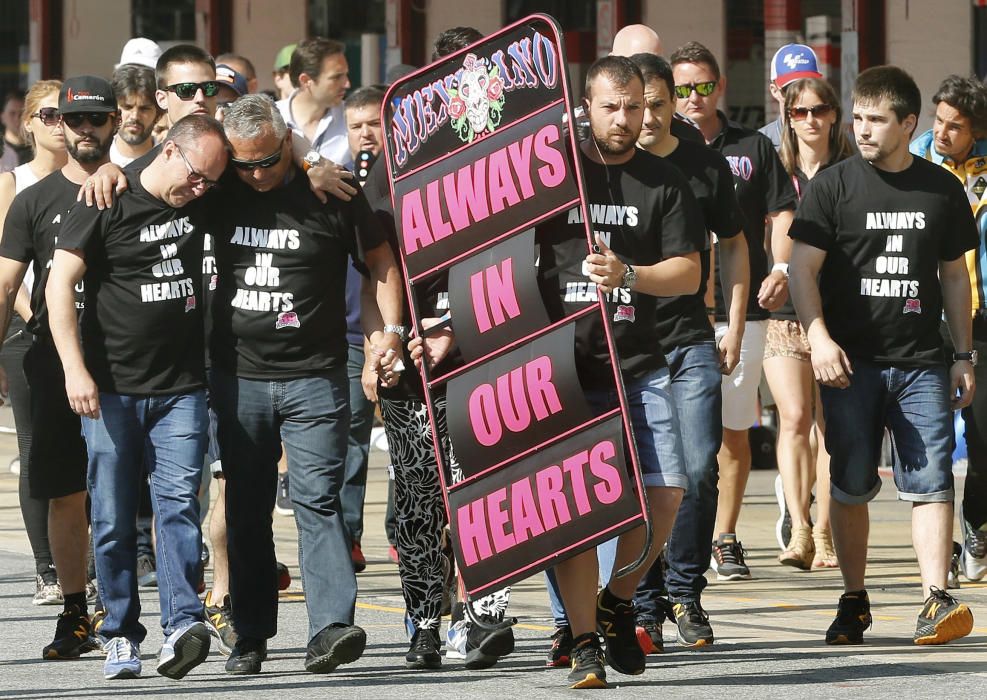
x=86, y=93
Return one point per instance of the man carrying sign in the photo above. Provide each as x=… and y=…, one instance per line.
x=656, y=231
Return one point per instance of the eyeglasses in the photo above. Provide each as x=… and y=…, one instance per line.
x=196, y=179
x=187, y=91
x=704, y=89
x=75, y=119
x=264, y=163
x=47, y=115
x=799, y=114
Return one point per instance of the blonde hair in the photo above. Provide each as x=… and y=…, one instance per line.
x=35, y=96
x=839, y=144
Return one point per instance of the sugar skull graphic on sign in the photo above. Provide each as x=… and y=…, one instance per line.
x=477, y=102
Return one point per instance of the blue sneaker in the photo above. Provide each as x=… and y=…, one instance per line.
x=183, y=650
x=123, y=659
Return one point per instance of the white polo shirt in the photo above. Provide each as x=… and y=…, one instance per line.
x=330, y=135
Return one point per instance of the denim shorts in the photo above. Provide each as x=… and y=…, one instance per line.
x=914, y=405
x=656, y=427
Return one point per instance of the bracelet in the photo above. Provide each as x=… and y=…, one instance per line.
x=711, y=311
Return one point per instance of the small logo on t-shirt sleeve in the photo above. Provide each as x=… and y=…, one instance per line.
x=287, y=318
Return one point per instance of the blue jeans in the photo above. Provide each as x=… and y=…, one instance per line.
x=166, y=435
x=914, y=405
x=696, y=388
x=311, y=416
x=354, y=489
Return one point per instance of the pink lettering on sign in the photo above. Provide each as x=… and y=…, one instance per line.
x=494, y=287
x=537, y=503
x=473, y=193
x=512, y=399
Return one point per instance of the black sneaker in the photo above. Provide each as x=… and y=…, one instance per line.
x=147, y=573
x=247, y=657
x=424, y=650
x=649, y=636
x=587, y=663
x=728, y=558
x=73, y=636
x=484, y=647
x=693, y=624
x=282, y=500
x=953, y=575
x=852, y=618
x=560, y=653
x=335, y=645
x=615, y=621
x=219, y=619
x=942, y=619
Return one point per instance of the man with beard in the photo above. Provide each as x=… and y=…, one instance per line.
x=134, y=88
x=58, y=454
x=138, y=380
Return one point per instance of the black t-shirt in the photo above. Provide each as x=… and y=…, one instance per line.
x=142, y=325
x=647, y=212
x=884, y=235
x=280, y=309
x=762, y=187
x=682, y=320
x=30, y=232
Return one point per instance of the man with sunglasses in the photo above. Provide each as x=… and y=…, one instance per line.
x=137, y=380
x=279, y=355
x=58, y=453
x=790, y=63
x=767, y=200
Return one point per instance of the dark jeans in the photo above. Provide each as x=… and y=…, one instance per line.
x=354, y=489
x=975, y=417
x=310, y=415
x=696, y=382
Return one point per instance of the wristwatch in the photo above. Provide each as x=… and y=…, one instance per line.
x=400, y=331
x=311, y=160
x=970, y=357
x=630, y=277
x=782, y=268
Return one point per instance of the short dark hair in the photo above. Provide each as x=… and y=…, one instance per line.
x=189, y=129
x=15, y=94
x=181, y=53
x=890, y=83
x=250, y=73
x=968, y=96
x=308, y=57
x=694, y=52
x=655, y=68
x=133, y=79
x=452, y=40
x=371, y=95
x=619, y=69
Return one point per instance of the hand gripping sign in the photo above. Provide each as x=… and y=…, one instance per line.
x=479, y=153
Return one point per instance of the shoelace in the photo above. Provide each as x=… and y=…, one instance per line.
x=941, y=595
x=976, y=543
x=730, y=553
x=116, y=648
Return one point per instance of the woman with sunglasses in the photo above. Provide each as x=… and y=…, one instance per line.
x=43, y=128
x=812, y=138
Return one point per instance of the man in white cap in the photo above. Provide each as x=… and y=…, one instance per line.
x=141, y=51
x=790, y=63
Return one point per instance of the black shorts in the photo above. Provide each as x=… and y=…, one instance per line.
x=58, y=450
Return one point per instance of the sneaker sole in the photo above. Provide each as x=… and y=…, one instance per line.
x=345, y=650
x=697, y=644
x=123, y=674
x=956, y=624
x=590, y=681
x=91, y=644
x=842, y=640
x=733, y=577
x=495, y=646
x=190, y=651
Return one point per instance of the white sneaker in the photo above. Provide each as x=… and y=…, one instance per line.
x=974, y=562
x=456, y=640
x=183, y=650
x=123, y=659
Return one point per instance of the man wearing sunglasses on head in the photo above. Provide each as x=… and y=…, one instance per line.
x=137, y=380
x=767, y=201
x=87, y=110
x=279, y=354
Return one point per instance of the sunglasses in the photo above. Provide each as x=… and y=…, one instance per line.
x=75, y=119
x=186, y=91
x=264, y=163
x=799, y=114
x=195, y=178
x=704, y=89
x=47, y=115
